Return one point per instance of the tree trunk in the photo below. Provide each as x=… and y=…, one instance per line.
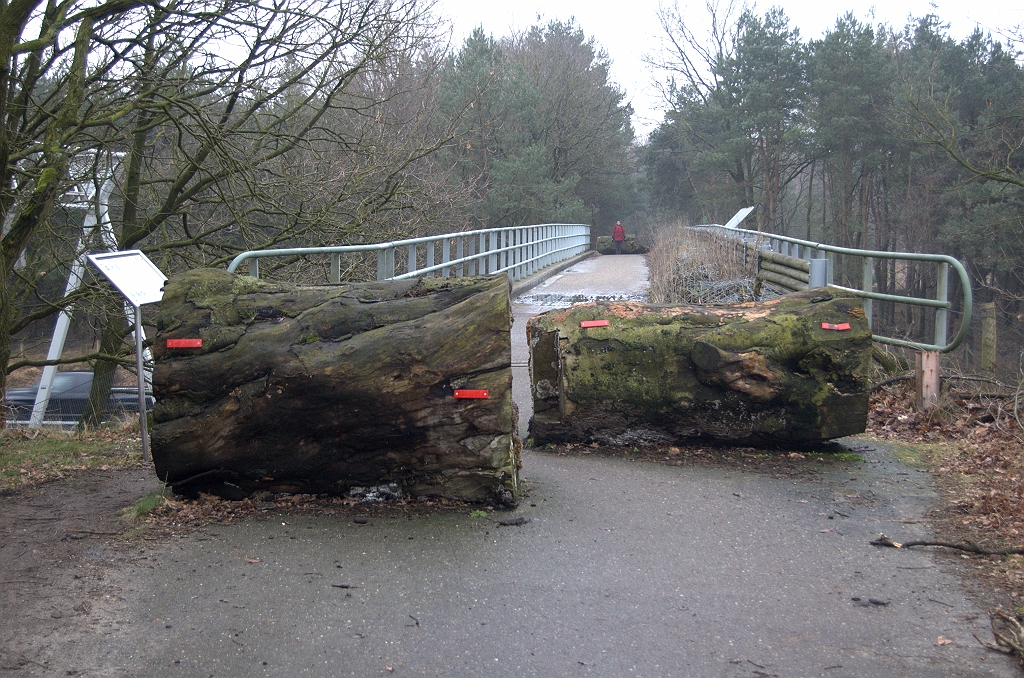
x=316, y=389
x=765, y=372
x=6, y=318
x=115, y=328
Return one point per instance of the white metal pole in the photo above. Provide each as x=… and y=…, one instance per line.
x=143, y=424
x=92, y=218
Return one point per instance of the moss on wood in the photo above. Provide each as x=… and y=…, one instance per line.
x=754, y=371
x=328, y=386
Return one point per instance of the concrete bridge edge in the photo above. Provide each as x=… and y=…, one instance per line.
x=527, y=284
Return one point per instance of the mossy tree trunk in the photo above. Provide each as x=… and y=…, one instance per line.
x=315, y=389
x=764, y=372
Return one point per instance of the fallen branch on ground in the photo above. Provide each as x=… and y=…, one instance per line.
x=1008, y=632
x=966, y=546
x=893, y=380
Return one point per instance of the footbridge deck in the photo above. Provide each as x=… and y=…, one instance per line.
x=588, y=278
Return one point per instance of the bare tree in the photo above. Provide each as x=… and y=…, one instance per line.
x=691, y=58
x=220, y=113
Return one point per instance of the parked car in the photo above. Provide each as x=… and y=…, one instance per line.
x=68, y=396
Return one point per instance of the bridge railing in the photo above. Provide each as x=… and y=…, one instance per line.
x=798, y=264
x=518, y=251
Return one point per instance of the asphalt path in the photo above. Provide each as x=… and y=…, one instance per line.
x=621, y=568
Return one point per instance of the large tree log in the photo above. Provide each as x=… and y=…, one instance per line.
x=756, y=372
x=605, y=245
x=318, y=388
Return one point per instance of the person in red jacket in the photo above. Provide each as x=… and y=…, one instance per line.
x=618, y=235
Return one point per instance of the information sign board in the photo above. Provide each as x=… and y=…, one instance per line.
x=133, y=274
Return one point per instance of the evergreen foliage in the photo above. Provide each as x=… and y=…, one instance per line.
x=867, y=137
x=546, y=134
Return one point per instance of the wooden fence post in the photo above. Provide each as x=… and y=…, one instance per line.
x=927, y=379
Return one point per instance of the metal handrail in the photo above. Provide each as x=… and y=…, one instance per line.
x=518, y=251
x=941, y=304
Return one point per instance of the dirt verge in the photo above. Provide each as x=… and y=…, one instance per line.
x=57, y=542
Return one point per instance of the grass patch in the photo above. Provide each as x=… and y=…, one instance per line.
x=33, y=456
x=923, y=455
x=145, y=506
x=844, y=456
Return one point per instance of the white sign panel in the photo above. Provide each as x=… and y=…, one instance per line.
x=739, y=216
x=133, y=274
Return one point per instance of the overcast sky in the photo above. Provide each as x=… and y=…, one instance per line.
x=628, y=30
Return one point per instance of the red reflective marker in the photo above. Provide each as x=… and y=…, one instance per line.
x=594, y=323
x=831, y=326
x=184, y=343
x=470, y=393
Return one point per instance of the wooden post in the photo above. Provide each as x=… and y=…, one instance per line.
x=988, y=339
x=927, y=379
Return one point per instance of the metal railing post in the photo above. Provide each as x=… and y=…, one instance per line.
x=460, y=252
x=546, y=245
x=510, y=244
x=493, y=245
x=254, y=267
x=517, y=254
x=529, y=249
x=336, y=267
x=411, y=268
x=481, y=261
x=446, y=256
x=941, y=294
x=508, y=255
x=867, y=283
x=818, y=275
x=502, y=255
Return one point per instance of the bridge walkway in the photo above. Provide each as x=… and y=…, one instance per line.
x=593, y=278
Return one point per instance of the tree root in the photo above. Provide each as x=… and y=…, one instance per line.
x=966, y=546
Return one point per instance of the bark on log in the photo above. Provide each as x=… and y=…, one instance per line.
x=754, y=372
x=316, y=389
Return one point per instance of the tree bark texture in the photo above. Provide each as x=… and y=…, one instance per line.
x=754, y=372
x=319, y=388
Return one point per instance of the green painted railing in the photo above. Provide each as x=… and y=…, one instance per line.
x=820, y=275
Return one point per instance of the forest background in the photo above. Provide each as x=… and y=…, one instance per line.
x=241, y=125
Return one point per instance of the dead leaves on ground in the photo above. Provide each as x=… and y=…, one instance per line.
x=986, y=450
x=181, y=513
